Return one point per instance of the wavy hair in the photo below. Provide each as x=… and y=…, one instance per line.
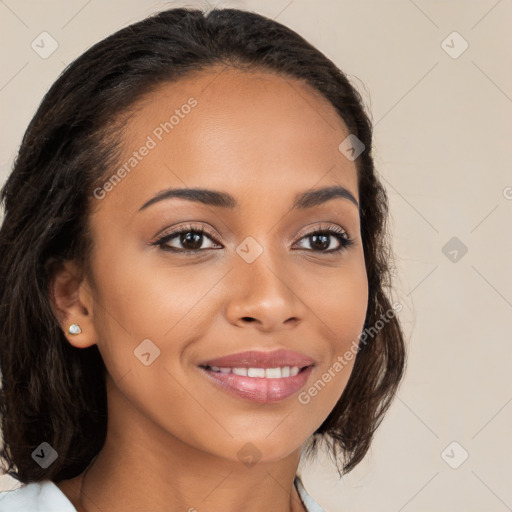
x=53, y=392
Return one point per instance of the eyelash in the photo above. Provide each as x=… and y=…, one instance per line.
x=342, y=236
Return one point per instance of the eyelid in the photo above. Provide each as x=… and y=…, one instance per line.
x=184, y=228
x=323, y=227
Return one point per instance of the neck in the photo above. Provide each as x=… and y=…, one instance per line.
x=142, y=467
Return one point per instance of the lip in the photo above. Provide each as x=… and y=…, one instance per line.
x=256, y=389
x=259, y=359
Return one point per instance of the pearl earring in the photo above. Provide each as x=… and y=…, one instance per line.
x=74, y=329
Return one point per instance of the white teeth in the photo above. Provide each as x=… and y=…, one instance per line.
x=273, y=373
x=256, y=372
x=268, y=373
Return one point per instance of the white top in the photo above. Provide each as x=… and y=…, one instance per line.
x=45, y=496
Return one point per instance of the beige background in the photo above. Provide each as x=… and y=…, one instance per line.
x=442, y=145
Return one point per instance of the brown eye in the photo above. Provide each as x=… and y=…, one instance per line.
x=186, y=240
x=321, y=240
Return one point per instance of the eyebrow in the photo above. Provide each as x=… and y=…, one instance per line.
x=208, y=197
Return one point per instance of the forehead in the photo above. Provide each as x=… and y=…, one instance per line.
x=225, y=128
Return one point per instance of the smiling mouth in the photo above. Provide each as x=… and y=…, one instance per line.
x=278, y=372
x=259, y=385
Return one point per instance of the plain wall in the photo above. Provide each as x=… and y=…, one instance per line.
x=442, y=147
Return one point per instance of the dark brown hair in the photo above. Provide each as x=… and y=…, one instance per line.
x=53, y=392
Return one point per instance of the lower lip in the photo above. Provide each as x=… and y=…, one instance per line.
x=261, y=390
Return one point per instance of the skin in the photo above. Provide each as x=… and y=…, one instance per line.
x=173, y=436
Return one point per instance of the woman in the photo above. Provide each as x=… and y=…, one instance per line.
x=194, y=249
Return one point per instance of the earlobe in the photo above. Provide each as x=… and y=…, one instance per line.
x=72, y=305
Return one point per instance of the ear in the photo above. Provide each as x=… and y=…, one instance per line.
x=72, y=302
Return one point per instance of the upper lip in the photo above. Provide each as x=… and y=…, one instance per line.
x=258, y=359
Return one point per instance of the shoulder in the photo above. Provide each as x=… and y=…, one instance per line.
x=47, y=497
x=310, y=504
x=42, y=496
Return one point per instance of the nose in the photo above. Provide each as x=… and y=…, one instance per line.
x=264, y=293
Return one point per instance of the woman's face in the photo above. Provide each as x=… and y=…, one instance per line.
x=259, y=280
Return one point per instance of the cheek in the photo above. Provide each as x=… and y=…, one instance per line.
x=340, y=307
x=148, y=305
x=149, y=315
x=339, y=300
x=140, y=301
